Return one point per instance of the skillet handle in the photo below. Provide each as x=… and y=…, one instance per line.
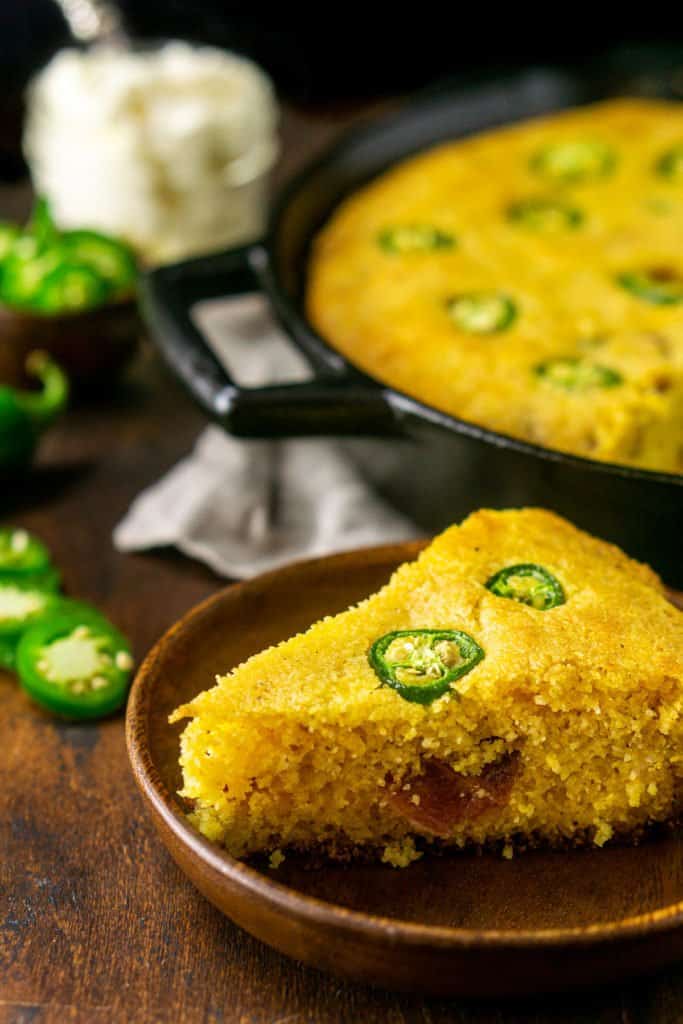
x=330, y=404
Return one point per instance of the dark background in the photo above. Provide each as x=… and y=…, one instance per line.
x=335, y=54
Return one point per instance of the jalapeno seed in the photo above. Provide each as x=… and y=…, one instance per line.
x=574, y=374
x=414, y=238
x=482, y=312
x=528, y=584
x=660, y=286
x=422, y=664
x=574, y=161
x=544, y=215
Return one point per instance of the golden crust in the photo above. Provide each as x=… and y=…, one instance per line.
x=387, y=313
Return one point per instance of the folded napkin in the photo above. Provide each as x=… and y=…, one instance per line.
x=247, y=506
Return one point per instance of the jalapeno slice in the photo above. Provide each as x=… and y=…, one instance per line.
x=670, y=164
x=24, y=271
x=544, y=215
x=23, y=602
x=422, y=664
x=528, y=584
x=414, y=238
x=574, y=374
x=8, y=236
x=660, y=286
x=71, y=288
x=75, y=664
x=574, y=161
x=21, y=553
x=112, y=260
x=482, y=312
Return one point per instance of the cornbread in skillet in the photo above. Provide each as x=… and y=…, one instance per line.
x=529, y=280
x=520, y=682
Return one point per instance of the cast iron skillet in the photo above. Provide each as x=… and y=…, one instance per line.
x=435, y=467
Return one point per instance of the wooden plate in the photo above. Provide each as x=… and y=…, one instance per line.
x=462, y=924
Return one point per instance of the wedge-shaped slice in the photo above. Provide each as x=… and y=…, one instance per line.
x=521, y=681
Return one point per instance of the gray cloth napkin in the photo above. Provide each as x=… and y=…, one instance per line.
x=244, y=507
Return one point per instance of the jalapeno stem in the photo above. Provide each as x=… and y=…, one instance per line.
x=43, y=406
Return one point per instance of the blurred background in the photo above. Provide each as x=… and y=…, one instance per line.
x=317, y=55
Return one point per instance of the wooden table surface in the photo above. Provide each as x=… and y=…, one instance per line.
x=96, y=922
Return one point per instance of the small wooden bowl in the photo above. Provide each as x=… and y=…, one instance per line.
x=461, y=924
x=91, y=347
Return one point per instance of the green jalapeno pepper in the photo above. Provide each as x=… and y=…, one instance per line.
x=75, y=664
x=23, y=602
x=422, y=664
x=24, y=271
x=70, y=288
x=529, y=584
x=21, y=554
x=414, y=238
x=660, y=286
x=25, y=414
x=547, y=216
x=482, y=312
x=574, y=374
x=8, y=236
x=670, y=164
x=111, y=259
x=574, y=161
x=24, y=557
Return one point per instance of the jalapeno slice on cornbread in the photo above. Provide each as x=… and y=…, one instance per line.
x=528, y=584
x=574, y=161
x=544, y=215
x=571, y=373
x=660, y=286
x=482, y=312
x=421, y=664
x=414, y=238
x=670, y=164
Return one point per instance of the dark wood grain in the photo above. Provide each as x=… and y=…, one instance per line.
x=473, y=925
x=96, y=922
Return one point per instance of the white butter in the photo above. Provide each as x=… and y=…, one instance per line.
x=169, y=148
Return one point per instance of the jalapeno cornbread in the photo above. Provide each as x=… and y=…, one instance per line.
x=529, y=280
x=520, y=682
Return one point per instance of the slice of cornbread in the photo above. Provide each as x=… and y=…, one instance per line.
x=544, y=703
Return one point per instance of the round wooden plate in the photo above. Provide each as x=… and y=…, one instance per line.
x=460, y=924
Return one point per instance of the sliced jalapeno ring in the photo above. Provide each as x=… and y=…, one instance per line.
x=23, y=602
x=8, y=236
x=660, y=286
x=422, y=664
x=670, y=164
x=482, y=312
x=111, y=259
x=75, y=664
x=574, y=161
x=414, y=238
x=71, y=288
x=575, y=374
x=528, y=584
x=21, y=553
x=24, y=271
x=544, y=215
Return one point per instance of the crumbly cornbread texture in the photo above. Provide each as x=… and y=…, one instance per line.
x=390, y=311
x=570, y=727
